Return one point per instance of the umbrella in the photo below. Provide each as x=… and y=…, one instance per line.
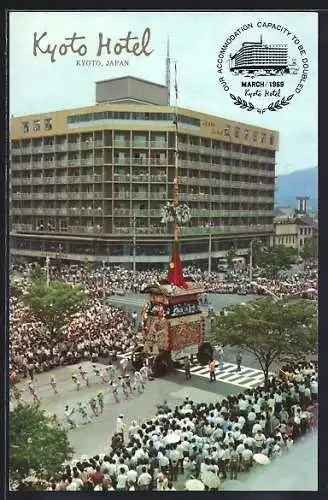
x=172, y=438
x=262, y=459
x=210, y=479
x=194, y=485
x=311, y=290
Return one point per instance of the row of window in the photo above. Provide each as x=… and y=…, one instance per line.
x=36, y=125
x=247, y=135
x=131, y=115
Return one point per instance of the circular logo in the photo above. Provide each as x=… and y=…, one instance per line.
x=262, y=66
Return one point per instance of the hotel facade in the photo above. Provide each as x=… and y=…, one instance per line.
x=89, y=183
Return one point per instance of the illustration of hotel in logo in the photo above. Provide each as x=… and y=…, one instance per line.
x=259, y=59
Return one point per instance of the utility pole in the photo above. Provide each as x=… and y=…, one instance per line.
x=103, y=314
x=251, y=259
x=47, y=270
x=210, y=249
x=134, y=246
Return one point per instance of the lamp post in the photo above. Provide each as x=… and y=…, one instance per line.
x=251, y=259
x=103, y=314
x=210, y=249
x=134, y=243
x=47, y=270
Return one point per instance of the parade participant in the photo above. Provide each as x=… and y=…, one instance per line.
x=53, y=384
x=93, y=406
x=82, y=409
x=144, y=373
x=137, y=382
x=55, y=421
x=212, y=370
x=76, y=381
x=84, y=375
x=120, y=426
x=103, y=376
x=68, y=415
x=187, y=368
x=128, y=382
x=111, y=372
x=125, y=388
x=96, y=371
x=100, y=398
x=239, y=359
x=34, y=395
x=124, y=364
x=115, y=392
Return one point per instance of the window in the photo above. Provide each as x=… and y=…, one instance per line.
x=48, y=123
x=271, y=140
x=36, y=125
x=227, y=130
x=25, y=127
x=255, y=136
x=246, y=133
x=263, y=138
x=237, y=131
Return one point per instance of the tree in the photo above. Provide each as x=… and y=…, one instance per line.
x=310, y=249
x=87, y=266
x=273, y=259
x=37, y=273
x=231, y=254
x=269, y=329
x=37, y=447
x=54, y=304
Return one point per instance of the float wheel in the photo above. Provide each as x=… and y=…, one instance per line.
x=205, y=353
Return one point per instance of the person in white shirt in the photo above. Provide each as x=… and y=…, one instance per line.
x=314, y=390
x=132, y=475
x=121, y=480
x=241, y=421
x=259, y=441
x=144, y=480
x=247, y=456
x=256, y=428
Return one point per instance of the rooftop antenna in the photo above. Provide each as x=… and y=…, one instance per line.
x=168, y=72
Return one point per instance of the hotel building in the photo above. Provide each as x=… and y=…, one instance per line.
x=86, y=183
x=257, y=55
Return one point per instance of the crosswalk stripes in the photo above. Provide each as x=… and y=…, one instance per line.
x=246, y=377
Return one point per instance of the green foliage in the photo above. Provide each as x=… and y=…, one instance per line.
x=36, y=447
x=310, y=249
x=16, y=290
x=54, y=304
x=273, y=259
x=269, y=329
x=87, y=266
x=37, y=274
x=231, y=254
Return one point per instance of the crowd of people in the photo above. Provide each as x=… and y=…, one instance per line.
x=88, y=336
x=115, y=279
x=206, y=442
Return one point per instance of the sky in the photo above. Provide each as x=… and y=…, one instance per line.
x=37, y=85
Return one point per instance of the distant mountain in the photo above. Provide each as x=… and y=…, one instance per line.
x=298, y=183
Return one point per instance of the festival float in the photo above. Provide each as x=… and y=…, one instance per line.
x=172, y=323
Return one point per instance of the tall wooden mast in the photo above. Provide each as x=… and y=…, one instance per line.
x=176, y=228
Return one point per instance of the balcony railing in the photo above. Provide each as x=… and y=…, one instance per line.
x=73, y=146
x=22, y=227
x=86, y=161
x=87, y=144
x=121, y=144
x=122, y=161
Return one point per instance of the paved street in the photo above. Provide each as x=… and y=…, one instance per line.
x=93, y=438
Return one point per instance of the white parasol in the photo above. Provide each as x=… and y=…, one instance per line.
x=311, y=290
x=172, y=438
x=262, y=459
x=194, y=485
x=210, y=479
